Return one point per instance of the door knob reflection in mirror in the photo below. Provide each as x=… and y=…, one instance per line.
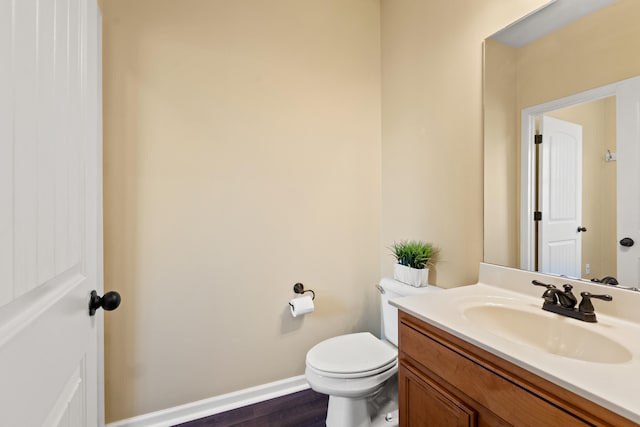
x=582, y=229
x=627, y=241
x=109, y=301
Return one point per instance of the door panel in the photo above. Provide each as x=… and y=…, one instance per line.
x=41, y=195
x=50, y=216
x=6, y=157
x=560, y=197
x=46, y=183
x=38, y=359
x=68, y=409
x=25, y=149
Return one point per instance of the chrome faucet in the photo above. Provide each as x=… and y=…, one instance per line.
x=564, y=302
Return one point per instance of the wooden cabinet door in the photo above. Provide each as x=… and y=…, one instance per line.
x=424, y=403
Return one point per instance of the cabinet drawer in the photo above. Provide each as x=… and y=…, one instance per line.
x=486, y=387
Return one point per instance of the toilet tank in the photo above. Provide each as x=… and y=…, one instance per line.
x=390, y=289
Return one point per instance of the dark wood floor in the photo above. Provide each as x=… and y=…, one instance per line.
x=302, y=409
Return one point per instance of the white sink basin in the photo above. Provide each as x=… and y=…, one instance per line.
x=547, y=332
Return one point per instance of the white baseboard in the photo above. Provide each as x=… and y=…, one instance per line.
x=215, y=405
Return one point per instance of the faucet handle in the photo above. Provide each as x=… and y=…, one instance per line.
x=586, y=306
x=550, y=296
x=539, y=283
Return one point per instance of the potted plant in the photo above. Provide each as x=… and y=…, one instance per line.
x=414, y=258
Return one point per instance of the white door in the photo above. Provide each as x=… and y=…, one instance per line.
x=628, y=177
x=560, y=242
x=50, y=213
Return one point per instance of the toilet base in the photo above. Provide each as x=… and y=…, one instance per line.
x=386, y=419
x=379, y=409
x=384, y=406
x=348, y=412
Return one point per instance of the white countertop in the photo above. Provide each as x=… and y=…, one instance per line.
x=615, y=386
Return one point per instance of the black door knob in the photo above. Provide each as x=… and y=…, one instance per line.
x=110, y=301
x=582, y=229
x=627, y=241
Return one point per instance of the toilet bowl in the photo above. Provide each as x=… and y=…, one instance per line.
x=350, y=369
x=358, y=371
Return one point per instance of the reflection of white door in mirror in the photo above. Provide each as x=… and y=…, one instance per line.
x=621, y=201
x=560, y=197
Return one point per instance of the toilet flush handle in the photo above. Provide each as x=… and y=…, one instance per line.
x=380, y=288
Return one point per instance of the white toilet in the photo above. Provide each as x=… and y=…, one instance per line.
x=358, y=371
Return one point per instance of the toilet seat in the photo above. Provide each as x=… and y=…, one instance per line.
x=353, y=375
x=359, y=387
x=356, y=355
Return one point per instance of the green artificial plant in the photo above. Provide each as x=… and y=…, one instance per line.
x=415, y=254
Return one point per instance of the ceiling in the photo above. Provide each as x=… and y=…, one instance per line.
x=547, y=19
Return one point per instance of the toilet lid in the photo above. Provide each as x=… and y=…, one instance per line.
x=353, y=353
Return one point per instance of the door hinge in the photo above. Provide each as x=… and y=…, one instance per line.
x=538, y=139
x=537, y=216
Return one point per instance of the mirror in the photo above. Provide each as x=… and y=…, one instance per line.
x=575, y=63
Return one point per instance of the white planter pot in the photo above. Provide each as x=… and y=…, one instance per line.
x=411, y=276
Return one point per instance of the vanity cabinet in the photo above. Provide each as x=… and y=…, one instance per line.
x=446, y=381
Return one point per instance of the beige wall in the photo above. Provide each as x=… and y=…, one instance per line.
x=242, y=155
x=592, y=52
x=432, y=126
x=500, y=170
